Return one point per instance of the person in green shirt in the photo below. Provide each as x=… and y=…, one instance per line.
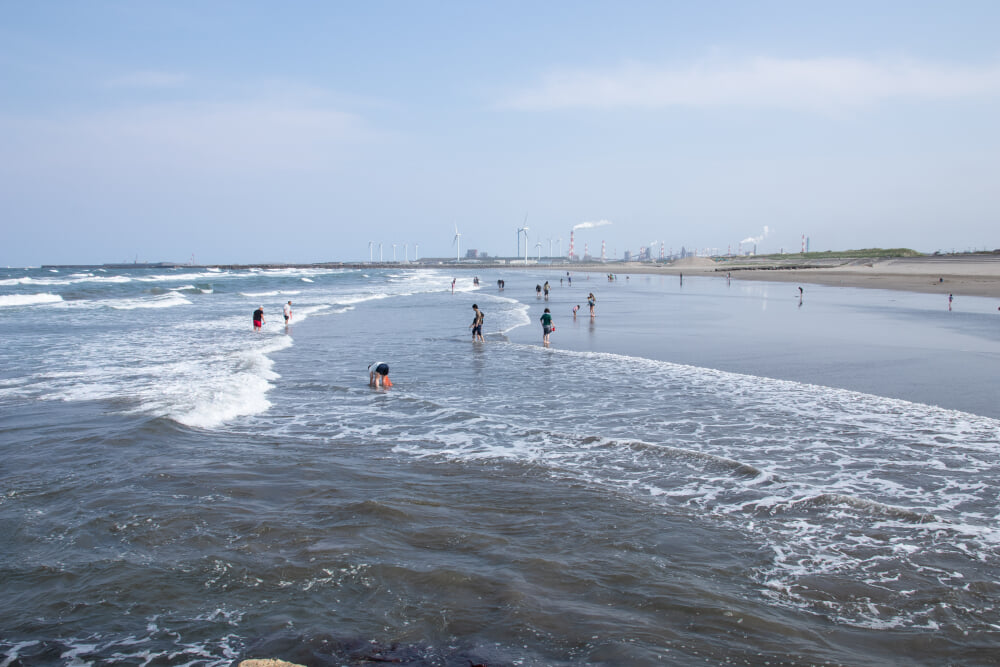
x=547, y=326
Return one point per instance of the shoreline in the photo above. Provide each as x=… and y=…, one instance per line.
x=964, y=275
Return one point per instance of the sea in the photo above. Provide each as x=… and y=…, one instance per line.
x=706, y=472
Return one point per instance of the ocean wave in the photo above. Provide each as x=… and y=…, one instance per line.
x=218, y=378
x=10, y=300
x=168, y=300
x=255, y=295
x=192, y=289
x=176, y=277
x=74, y=279
x=302, y=272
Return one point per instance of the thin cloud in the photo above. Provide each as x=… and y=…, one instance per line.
x=190, y=137
x=818, y=83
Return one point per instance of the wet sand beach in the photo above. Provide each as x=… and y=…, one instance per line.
x=977, y=275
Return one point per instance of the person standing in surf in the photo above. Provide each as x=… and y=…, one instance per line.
x=591, y=301
x=258, y=318
x=547, y=327
x=477, y=324
x=287, y=309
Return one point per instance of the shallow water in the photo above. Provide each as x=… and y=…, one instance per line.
x=704, y=473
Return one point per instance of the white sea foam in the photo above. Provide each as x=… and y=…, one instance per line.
x=9, y=300
x=73, y=279
x=271, y=293
x=13, y=652
x=841, y=480
x=516, y=315
x=176, y=277
x=168, y=300
x=186, y=373
x=297, y=272
x=206, y=394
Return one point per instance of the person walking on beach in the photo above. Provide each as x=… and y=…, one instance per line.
x=575, y=308
x=569, y=279
x=378, y=374
x=538, y=291
x=545, y=288
x=258, y=318
x=591, y=301
x=287, y=310
x=547, y=328
x=477, y=324
x=452, y=285
x=950, y=298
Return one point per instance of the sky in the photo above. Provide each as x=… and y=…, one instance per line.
x=244, y=132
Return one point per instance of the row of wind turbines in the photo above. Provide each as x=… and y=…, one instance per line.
x=406, y=252
x=457, y=242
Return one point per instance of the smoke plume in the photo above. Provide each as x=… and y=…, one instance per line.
x=756, y=239
x=591, y=225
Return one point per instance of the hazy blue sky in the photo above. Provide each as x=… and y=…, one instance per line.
x=299, y=132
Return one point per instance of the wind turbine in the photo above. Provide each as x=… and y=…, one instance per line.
x=457, y=241
x=525, y=230
x=550, y=246
x=371, y=245
x=394, y=253
x=416, y=252
x=406, y=253
x=379, y=252
x=539, y=246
